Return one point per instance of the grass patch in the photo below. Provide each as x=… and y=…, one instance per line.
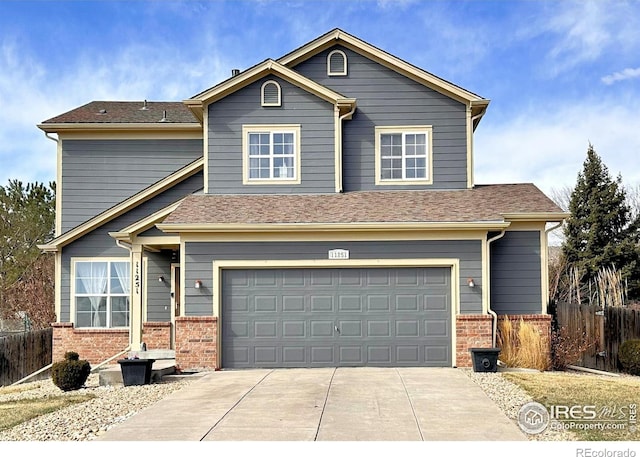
x=608, y=397
x=15, y=412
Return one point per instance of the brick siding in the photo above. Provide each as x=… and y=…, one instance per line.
x=197, y=342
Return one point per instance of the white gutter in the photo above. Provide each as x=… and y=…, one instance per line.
x=339, y=187
x=494, y=330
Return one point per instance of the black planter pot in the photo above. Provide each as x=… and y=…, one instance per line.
x=136, y=372
x=485, y=360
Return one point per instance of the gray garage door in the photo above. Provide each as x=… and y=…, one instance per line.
x=336, y=317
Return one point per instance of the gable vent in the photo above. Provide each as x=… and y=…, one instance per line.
x=337, y=63
x=271, y=94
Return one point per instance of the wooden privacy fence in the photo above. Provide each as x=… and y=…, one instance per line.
x=23, y=354
x=603, y=331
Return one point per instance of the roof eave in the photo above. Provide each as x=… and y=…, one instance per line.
x=537, y=217
x=331, y=227
x=119, y=126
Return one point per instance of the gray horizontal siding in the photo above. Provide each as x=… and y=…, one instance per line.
x=516, y=272
x=158, y=293
x=98, y=243
x=199, y=259
x=97, y=174
x=317, y=143
x=388, y=98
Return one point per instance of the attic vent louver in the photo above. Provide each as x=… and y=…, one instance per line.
x=102, y=111
x=271, y=94
x=337, y=63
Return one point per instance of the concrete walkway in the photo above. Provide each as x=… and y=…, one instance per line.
x=324, y=404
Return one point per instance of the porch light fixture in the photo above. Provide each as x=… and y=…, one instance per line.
x=197, y=284
x=470, y=283
x=160, y=278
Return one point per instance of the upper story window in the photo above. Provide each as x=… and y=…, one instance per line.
x=403, y=155
x=101, y=293
x=271, y=94
x=337, y=63
x=271, y=154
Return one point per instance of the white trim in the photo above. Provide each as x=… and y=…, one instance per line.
x=72, y=287
x=271, y=130
x=453, y=263
x=345, y=62
x=427, y=130
x=262, y=95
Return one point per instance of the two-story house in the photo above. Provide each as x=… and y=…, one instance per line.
x=315, y=210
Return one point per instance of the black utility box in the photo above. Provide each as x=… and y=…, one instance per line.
x=485, y=360
x=136, y=372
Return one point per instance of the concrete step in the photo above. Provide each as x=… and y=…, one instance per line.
x=155, y=354
x=112, y=374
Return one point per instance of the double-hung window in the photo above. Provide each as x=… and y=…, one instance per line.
x=101, y=293
x=271, y=154
x=403, y=155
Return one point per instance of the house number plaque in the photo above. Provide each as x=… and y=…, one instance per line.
x=338, y=254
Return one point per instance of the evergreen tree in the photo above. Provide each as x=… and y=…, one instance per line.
x=600, y=231
x=27, y=216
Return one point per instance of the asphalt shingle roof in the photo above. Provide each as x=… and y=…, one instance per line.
x=483, y=203
x=106, y=112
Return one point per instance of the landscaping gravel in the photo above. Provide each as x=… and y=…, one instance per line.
x=116, y=404
x=86, y=421
x=510, y=398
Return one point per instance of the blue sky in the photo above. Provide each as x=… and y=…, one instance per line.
x=559, y=74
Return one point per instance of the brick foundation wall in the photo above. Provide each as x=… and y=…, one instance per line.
x=94, y=345
x=472, y=331
x=157, y=335
x=197, y=342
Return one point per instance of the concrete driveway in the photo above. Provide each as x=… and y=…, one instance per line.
x=324, y=404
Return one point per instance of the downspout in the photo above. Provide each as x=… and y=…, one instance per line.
x=494, y=316
x=339, y=188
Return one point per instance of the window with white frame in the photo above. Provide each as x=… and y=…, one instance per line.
x=101, y=293
x=271, y=94
x=271, y=154
x=403, y=155
x=337, y=63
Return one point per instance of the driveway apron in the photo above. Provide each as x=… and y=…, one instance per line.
x=324, y=404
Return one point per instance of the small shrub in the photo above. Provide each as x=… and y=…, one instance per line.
x=629, y=356
x=568, y=348
x=70, y=373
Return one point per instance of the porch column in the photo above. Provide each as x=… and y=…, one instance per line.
x=135, y=315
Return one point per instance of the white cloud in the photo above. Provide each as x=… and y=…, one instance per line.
x=583, y=31
x=31, y=93
x=627, y=73
x=548, y=145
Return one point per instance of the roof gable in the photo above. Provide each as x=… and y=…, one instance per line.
x=198, y=102
x=477, y=103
